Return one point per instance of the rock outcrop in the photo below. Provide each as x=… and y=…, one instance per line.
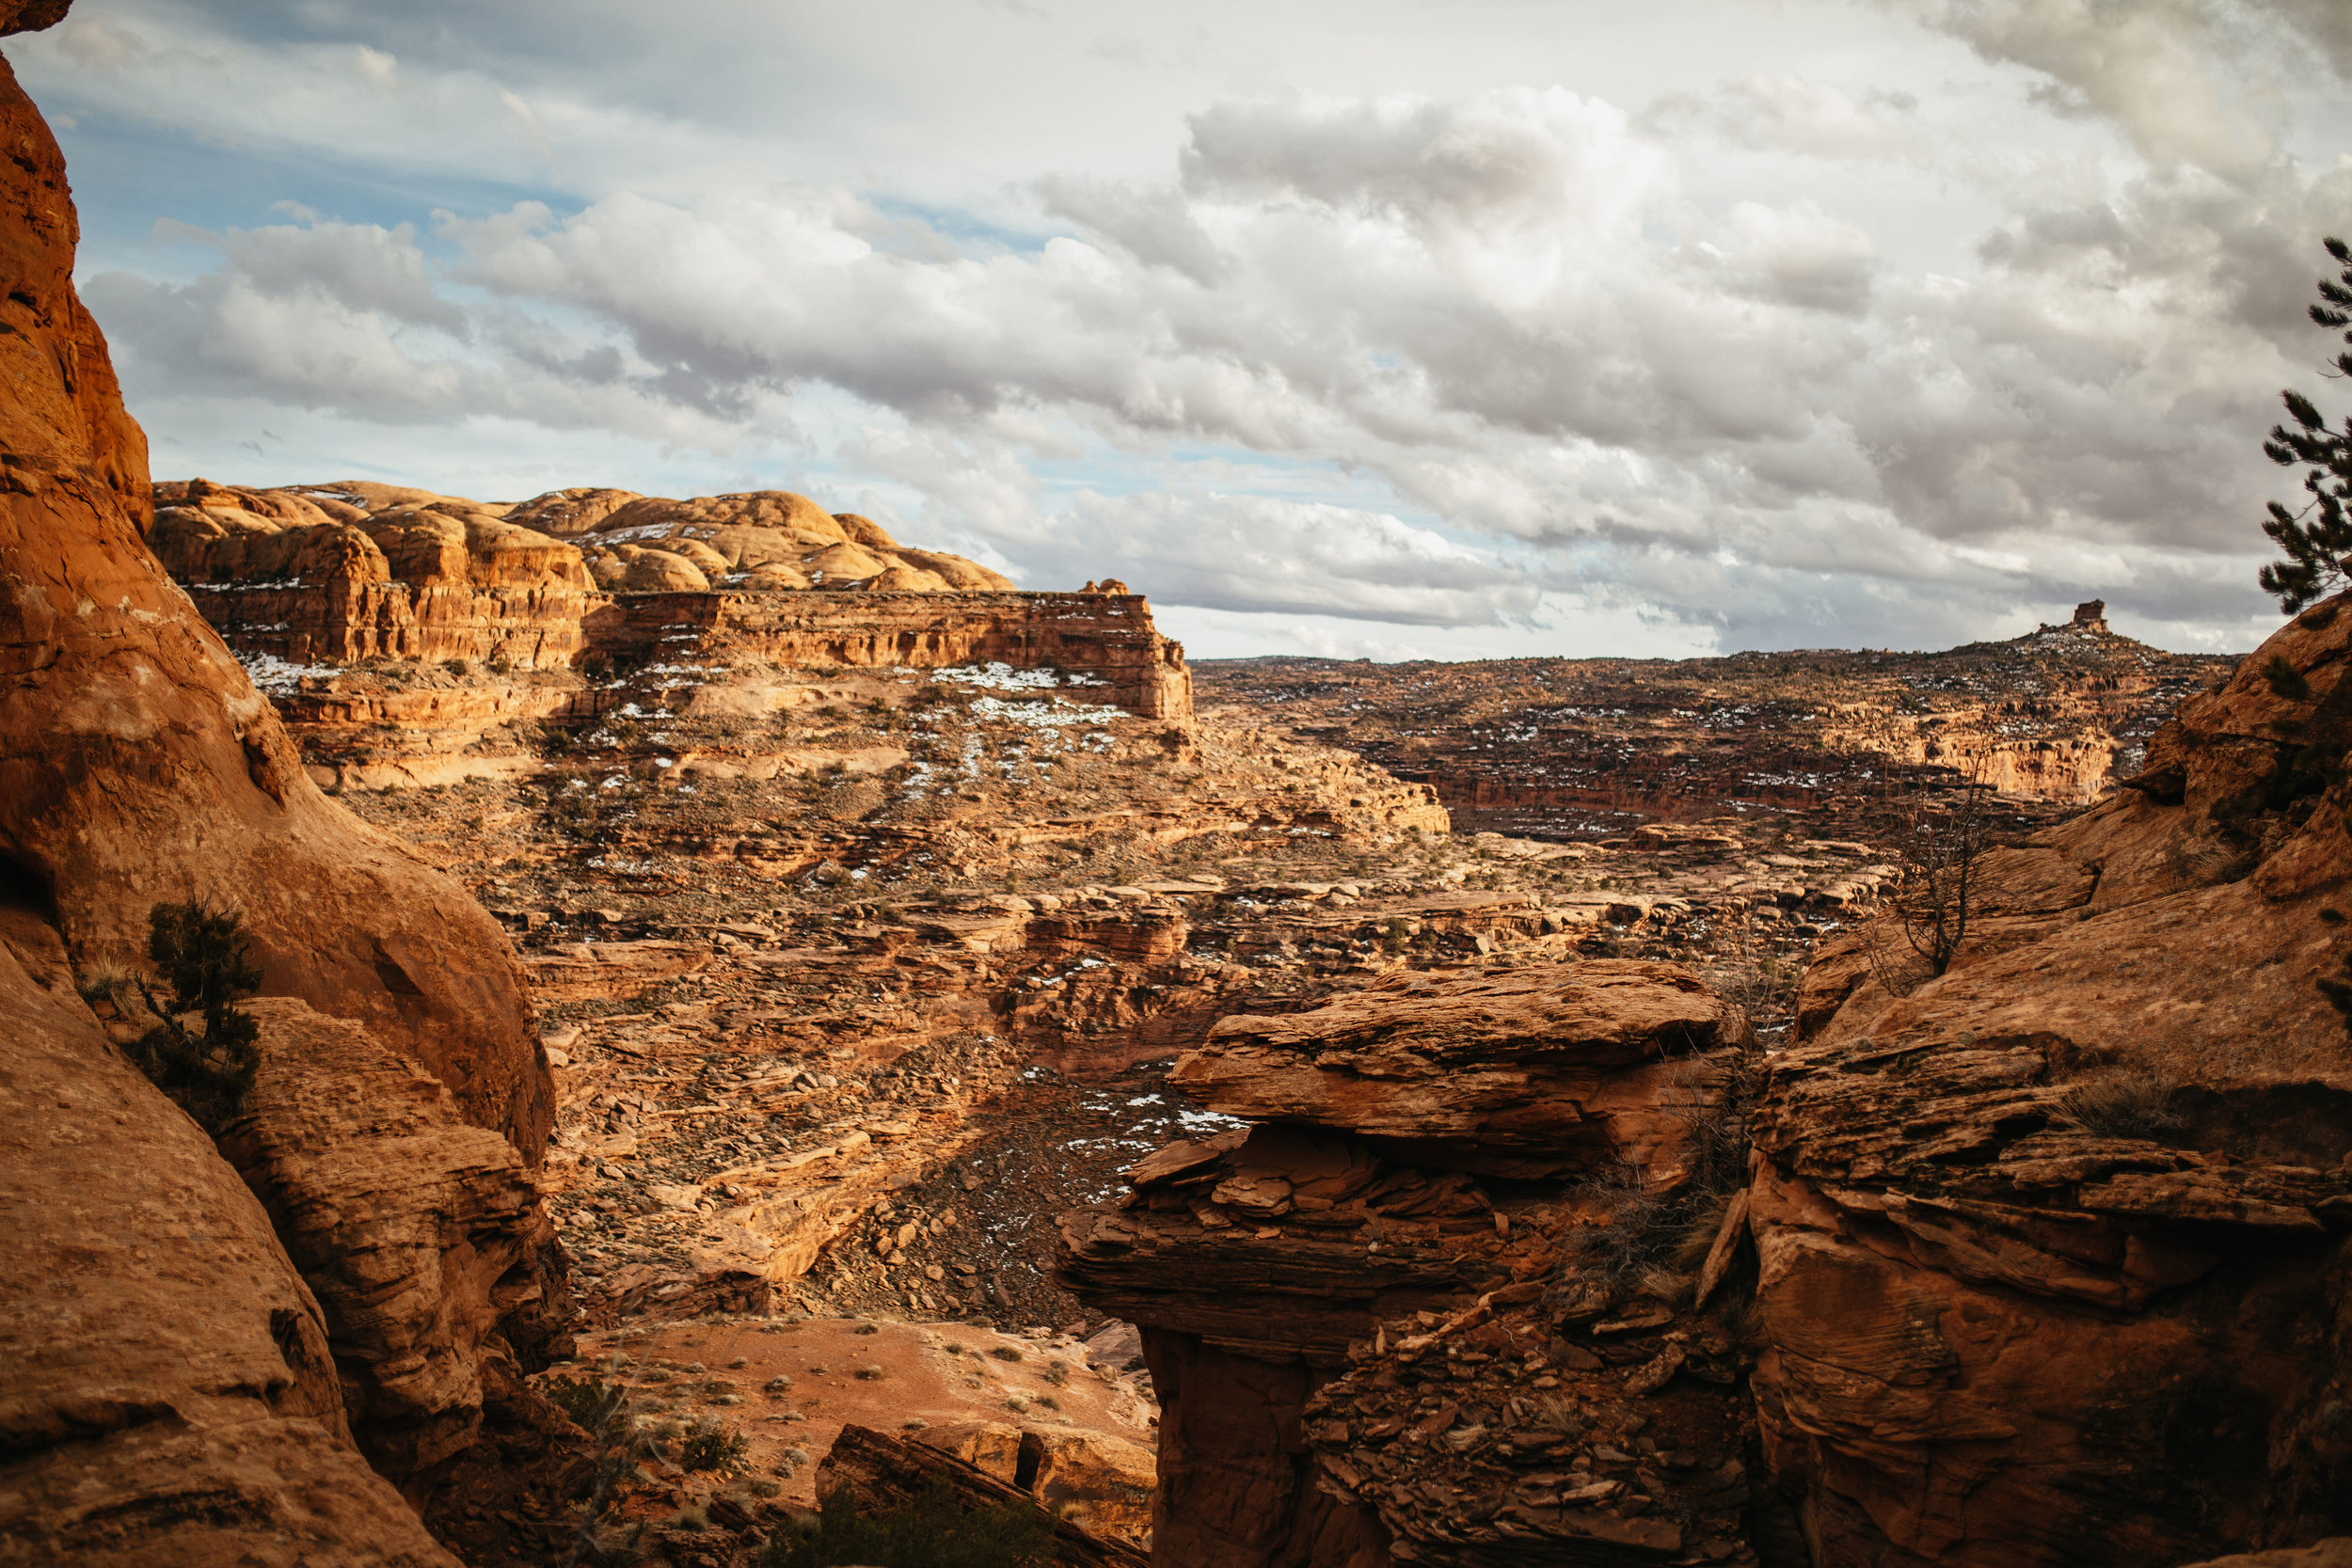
x=2056, y=1247
x=303, y=578
x=437, y=578
x=1530, y=1072
x=1107, y=644
x=423, y=1238
x=138, y=764
x=1346, y=1333
x=167, y=1392
x=180, y=1395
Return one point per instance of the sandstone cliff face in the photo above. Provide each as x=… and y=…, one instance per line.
x=1106, y=639
x=439, y=579
x=2056, y=1249
x=138, y=763
x=180, y=1391
x=168, y=1394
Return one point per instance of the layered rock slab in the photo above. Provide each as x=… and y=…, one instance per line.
x=1526, y=1072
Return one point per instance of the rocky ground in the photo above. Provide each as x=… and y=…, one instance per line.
x=1586, y=749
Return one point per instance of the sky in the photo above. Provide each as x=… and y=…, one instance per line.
x=1388, y=329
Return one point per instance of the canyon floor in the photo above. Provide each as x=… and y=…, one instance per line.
x=854, y=980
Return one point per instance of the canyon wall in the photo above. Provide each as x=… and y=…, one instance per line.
x=2056, y=1247
x=1108, y=638
x=1585, y=749
x=180, y=1374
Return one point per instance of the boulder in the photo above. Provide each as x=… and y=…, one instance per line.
x=662, y=572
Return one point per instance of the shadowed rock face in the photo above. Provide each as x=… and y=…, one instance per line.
x=138, y=763
x=167, y=1393
x=2055, y=1247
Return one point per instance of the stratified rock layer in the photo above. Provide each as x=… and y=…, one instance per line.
x=1528, y=1072
x=2056, y=1247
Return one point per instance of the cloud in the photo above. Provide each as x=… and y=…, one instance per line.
x=1448, y=359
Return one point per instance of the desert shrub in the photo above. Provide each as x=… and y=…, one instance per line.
x=586, y=1400
x=1007, y=1353
x=1940, y=844
x=111, y=984
x=2126, y=1103
x=600, y=1407
x=709, y=1445
x=1651, y=1240
x=205, y=964
x=935, y=1530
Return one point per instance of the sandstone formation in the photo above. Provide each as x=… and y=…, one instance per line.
x=888, y=1470
x=138, y=764
x=1587, y=749
x=437, y=578
x=180, y=1395
x=1528, y=1073
x=1262, y=1265
x=302, y=580
x=2055, y=1258
x=422, y=1238
x=168, y=1393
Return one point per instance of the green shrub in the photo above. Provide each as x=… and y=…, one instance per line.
x=709, y=1445
x=937, y=1529
x=590, y=1402
x=205, y=965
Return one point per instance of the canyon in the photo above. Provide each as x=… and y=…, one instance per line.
x=743, y=1008
x=1582, y=748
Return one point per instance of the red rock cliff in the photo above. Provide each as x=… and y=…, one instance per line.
x=172, y=1381
x=138, y=763
x=2056, y=1247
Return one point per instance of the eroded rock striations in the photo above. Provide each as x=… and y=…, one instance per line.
x=181, y=1393
x=2054, y=1256
x=316, y=575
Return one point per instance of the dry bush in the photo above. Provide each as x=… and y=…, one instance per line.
x=2125, y=1102
x=1940, y=846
